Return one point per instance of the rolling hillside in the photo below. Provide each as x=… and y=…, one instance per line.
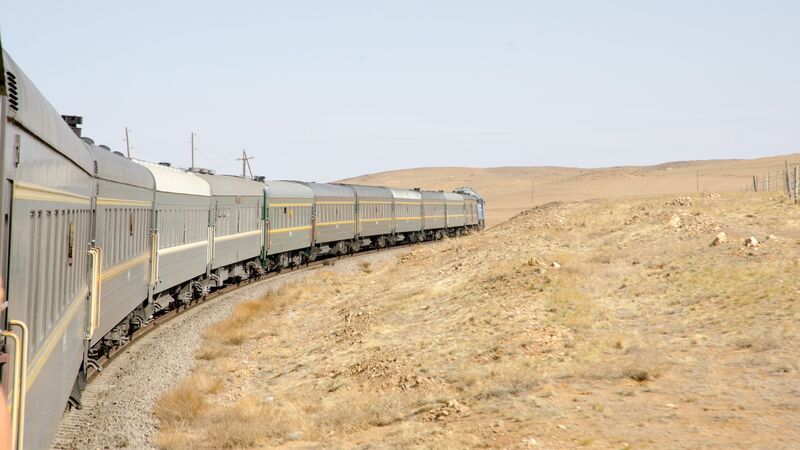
x=606, y=324
x=509, y=190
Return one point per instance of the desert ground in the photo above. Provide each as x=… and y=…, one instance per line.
x=611, y=323
x=509, y=190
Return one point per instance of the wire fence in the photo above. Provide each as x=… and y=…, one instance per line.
x=786, y=180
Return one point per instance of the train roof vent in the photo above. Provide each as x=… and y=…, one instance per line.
x=13, y=91
x=259, y=178
x=119, y=154
x=165, y=164
x=74, y=122
x=88, y=140
x=104, y=147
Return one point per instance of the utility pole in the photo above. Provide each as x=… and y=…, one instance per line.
x=531, y=189
x=192, y=151
x=698, y=180
x=246, y=164
x=128, y=142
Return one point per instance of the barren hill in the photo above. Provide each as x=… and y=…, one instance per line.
x=594, y=324
x=509, y=190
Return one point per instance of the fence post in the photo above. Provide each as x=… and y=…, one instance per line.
x=755, y=183
x=786, y=180
x=796, y=183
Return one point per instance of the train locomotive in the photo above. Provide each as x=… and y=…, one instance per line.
x=95, y=245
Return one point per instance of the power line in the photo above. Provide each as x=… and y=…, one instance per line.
x=246, y=164
x=192, y=167
x=128, y=142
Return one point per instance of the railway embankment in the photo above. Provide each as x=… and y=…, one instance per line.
x=599, y=324
x=117, y=404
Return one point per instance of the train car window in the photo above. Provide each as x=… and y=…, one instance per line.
x=71, y=244
x=113, y=256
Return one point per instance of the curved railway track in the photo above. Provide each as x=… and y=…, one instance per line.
x=117, y=410
x=106, y=359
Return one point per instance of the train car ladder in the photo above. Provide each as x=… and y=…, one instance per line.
x=19, y=382
x=96, y=256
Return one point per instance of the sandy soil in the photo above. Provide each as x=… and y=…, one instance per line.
x=118, y=403
x=596, y=324
x=509, y=190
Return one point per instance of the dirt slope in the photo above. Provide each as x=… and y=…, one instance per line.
x=642, y=335
x=508, y=189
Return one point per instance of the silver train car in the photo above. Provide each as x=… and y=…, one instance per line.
x=374, y=218
x=288, y=224
x=236, y=225
x=95, y=245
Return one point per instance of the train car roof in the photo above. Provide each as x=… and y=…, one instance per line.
x=468, y=192
x=453, y=196
x=232, y=185
x=433, y=195
x=370, y=191
x=406, y=194
x=287, y=189
x=329, y=190
x=176, y=181
x=113, y=167
x=34, y=112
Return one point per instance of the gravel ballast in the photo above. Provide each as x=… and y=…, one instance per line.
x=117, y=404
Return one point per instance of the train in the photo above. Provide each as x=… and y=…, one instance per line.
x=95, y=245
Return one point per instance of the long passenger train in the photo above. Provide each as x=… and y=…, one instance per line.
x=95, y=245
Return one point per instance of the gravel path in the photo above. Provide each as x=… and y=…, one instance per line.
x=117, y=405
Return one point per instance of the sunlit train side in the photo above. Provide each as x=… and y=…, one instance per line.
x=236, y=228
x=46, y=197
x=94, y=245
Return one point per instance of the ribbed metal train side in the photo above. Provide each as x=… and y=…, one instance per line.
x=374, y=211
x=124, y=206
x=237, y=206
x=289, y=211
x=48, y=264
x=334, y=212
x=433, y=205
x=182, y=232
x=407, y=211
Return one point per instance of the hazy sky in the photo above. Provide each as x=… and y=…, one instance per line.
x=329, y=89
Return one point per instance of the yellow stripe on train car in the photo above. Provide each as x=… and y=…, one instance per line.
x=30, y=191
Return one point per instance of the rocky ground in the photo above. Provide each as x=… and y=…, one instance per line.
x=118, y=402
x=599, y=324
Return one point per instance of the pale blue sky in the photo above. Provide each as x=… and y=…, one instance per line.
x=329, y=89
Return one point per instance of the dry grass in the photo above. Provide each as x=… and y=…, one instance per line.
x=236, y=329
x=642, y=333
x=182, y=405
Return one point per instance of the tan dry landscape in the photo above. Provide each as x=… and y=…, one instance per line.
x=593, y=324
x=508, y=189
